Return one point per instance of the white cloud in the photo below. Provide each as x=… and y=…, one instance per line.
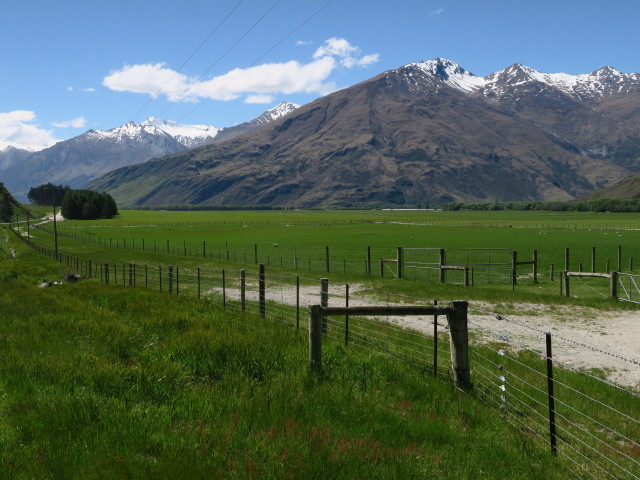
x=302, y=43
x=349, y=55
x=153, y=79
x=17, y=129
x=75, y=123
x=73, y=89
x=258, y=83
x=259, y=99
x=437, y=12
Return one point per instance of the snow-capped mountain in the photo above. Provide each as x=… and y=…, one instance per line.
x=425, y=132
x=75, y=162
x=188, y=135
x=605, y=81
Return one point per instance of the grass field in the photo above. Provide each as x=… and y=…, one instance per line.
x=135, y=383
x=104, y=381
x=279, y=237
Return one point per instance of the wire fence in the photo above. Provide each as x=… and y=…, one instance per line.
x=589, y=422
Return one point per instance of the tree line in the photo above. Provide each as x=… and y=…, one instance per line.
x=47, y=193
x=87, y=205
x=600, y=205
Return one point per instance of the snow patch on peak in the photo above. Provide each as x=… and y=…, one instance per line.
x=5, y=146
x=451, y=73
x=281, y=110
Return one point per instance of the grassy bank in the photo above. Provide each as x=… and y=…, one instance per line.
x=109, y=382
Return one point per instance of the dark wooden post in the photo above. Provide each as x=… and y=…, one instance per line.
x=535, y=266
x=204, y=249
x=315, y=338
x=459, y=344
x=346, y=317
x=619, y=258
x=242, y=289
x=324, y=301
x=566, y=259
x=224, y=290
x=170, y=280
x=261, y=291
x=255, y=253
x=326, y=259
x=614, y=285
x=566, y=283
x=106, y=273
x=443, y=260
x=593, y=259
x=297, y=302
x=369, y=260
x=551, y=272
x=399, y=262
x=514, y=267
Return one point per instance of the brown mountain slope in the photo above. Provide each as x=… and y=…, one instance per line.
x=403, y=137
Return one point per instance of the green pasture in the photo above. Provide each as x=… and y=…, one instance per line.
x=104, y=381
x=288, y=239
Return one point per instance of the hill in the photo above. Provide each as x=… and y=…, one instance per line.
x=77, y=161
x=428, y=132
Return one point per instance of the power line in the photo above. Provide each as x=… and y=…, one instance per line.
x=317, y=12
x=222, y=22
x=224, y=54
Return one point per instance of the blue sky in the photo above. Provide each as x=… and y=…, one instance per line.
x=73, y=65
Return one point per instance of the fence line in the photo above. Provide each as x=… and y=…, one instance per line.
x=597, y=430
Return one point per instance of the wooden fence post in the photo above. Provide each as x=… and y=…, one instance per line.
x=551, y=272
x=326, y=259
x=443, y=261
x=346, y=317
x=593, y=259
x=619, y=258
x=369, y=260
x=614, y=285
x=399, y=262
x=566, y=259
x=459, y=344
x=566, y=283
x=297, y=302
x=324, y=301
x=535, y=266
x=170, y=280
x=255, y=253
x=514, y=267
x=315, y=338
x=224, y=290
x=261, y=291
x=106, y=273
x=242, y=289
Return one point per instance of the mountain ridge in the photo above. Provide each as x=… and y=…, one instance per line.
x=75, y=162
x=422, y=133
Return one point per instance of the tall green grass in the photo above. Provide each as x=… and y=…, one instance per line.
x=104, y=381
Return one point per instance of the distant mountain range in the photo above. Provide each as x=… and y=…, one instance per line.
x=75, y=162
x=427, y=132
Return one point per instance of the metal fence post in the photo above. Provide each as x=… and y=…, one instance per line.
x=552, y=407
